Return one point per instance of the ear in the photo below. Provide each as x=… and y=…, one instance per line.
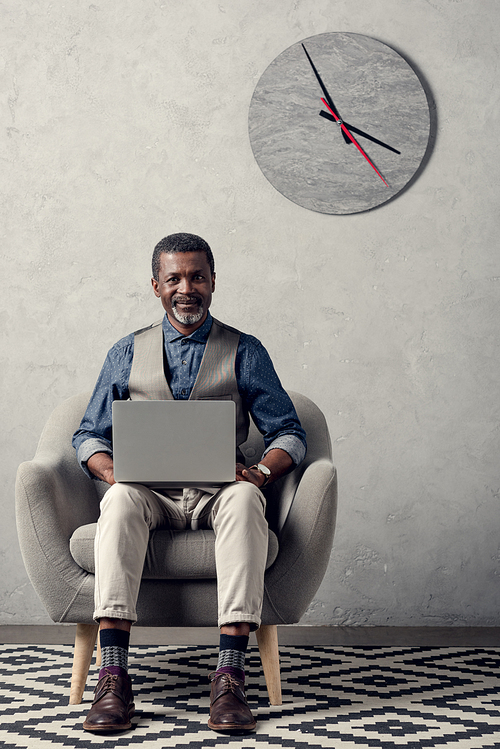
x=154, y=284
x=213, y=282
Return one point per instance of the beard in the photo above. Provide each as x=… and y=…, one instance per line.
x=188, y=319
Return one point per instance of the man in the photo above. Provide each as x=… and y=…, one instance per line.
x=203, y=358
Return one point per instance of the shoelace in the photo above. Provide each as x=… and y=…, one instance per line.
x=229, y=683
x=107, y=682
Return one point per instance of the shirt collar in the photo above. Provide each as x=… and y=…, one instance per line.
x=200, y=334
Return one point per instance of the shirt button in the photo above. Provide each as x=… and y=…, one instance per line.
x=183, y=392
x=184, y=361
x=184, y=340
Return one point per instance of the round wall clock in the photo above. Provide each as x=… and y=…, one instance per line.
x=339, y=123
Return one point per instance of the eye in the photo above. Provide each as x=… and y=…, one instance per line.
x=172, y=279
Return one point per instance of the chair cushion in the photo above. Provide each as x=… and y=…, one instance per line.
x=170, y=554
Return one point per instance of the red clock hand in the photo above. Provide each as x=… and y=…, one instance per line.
x=346, y=131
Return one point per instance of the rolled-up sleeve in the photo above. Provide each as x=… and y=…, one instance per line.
x=95, y=431
x=268, y=402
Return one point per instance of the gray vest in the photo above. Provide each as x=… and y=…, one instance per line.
x=216, y=379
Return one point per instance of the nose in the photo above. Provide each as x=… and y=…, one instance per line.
x=185, y=286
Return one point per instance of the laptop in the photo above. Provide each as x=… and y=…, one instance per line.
x=174, y=443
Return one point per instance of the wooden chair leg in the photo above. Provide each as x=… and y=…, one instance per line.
x=98, y=654
x=85, y=638
x=267, y=640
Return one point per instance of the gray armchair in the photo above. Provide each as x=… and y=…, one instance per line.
x=57, y=507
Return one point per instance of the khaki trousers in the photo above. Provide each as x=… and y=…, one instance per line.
x=130, y=511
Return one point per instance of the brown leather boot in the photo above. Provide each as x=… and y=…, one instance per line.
x=229, y=711
x=113, y=705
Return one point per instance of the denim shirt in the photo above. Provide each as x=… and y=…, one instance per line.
x=258, y=384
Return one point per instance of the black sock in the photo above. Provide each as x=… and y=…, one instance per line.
x=232, y=655
x=114, y=652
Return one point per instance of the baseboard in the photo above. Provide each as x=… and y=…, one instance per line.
x=64, y=634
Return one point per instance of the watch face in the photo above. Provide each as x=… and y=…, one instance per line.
x=339, y=123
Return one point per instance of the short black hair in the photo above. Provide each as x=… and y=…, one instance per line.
x=180, y=243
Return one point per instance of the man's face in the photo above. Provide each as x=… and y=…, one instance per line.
x=185, y=286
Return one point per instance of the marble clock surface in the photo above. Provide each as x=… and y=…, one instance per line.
x=304, y=155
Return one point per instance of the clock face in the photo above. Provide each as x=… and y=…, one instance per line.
x=339, y=123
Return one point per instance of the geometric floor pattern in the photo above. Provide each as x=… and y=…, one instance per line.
x=344, y=697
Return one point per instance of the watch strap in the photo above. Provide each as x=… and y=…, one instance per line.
x=267, y=476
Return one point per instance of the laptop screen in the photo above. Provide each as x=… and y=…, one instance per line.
x=174, y=442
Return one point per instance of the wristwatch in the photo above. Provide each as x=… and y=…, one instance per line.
x=264, y=470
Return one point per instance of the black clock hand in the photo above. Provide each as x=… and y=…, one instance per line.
x=325, y=92
x=328, y=116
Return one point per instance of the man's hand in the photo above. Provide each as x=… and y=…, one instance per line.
x=278, y=461
x=101, y=465
x=249, y=474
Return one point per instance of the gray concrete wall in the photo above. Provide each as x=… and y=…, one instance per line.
x=123, y=122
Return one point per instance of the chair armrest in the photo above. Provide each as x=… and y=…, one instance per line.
x=305, y=541
x=52, y=500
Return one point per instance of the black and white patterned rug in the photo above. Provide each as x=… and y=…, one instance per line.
x=345, y=697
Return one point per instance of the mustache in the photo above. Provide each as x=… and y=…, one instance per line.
x=186, y=299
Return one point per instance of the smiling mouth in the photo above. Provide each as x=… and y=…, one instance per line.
x=187, y=302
